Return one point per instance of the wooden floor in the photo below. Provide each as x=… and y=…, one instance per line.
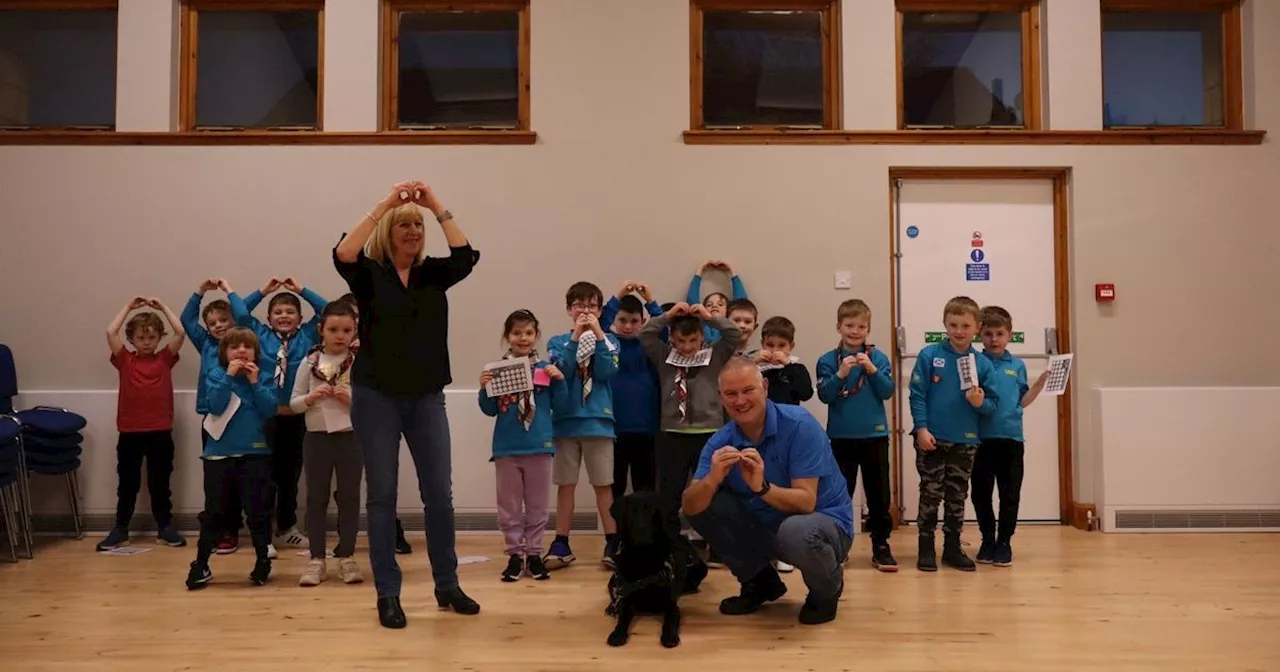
x=1074, y=601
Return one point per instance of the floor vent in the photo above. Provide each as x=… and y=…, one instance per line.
x=1192, y=519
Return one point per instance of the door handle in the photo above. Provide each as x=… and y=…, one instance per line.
x=902, y=342
x=1050, y=340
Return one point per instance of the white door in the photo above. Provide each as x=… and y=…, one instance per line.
x=993, y=241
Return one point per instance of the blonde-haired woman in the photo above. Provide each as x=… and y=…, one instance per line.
x=399, y=377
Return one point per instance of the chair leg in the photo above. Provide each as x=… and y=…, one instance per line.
x=10, y=521
x=24, y=477
x=74, y=491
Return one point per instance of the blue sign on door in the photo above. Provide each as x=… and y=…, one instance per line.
x=977, y=256
x=912, y=231
x=977, y=272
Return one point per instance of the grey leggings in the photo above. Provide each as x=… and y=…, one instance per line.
x=322, y=455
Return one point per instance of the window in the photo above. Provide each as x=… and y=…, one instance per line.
x=969, y=65
x=1171, y=64
x=460, y=65
x=58, y=65
x=251, y=65
x=765, y=64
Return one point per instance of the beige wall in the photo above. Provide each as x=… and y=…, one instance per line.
x=1188, y=234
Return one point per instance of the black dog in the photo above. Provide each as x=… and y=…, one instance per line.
x=654, y=566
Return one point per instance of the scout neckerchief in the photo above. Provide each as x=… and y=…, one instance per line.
x=526, y=407
x=586, y=348
x=862, y=373
x=313, y=363
x=282, y=357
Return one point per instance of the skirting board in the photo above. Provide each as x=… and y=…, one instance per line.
x=413, y=521
x=1084, y=516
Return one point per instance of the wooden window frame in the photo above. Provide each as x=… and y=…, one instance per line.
x=1232, y=52
x=389, y=75
x=189, y=52
x=1032, y=77
x=832, y=108
x=62, y=5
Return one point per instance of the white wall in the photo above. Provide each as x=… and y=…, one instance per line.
x=610, y=192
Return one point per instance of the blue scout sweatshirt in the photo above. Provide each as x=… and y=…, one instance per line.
x=856, y=404
x=938, y=404
x=594, y=417
x=304, y=339
x=243, y=435
x=510, y=438
x=737, y=291
x=204, y=342
x=1010, y=383
x=635, y=385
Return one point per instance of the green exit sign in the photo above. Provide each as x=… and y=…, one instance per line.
x=940, y=336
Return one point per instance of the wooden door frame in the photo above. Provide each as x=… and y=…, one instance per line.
x=1070, y=512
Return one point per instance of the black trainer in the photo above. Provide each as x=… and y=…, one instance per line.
x=766, y=586
x=199, y=576
x=953, y=556
x=986, y=552
x=261, y=572
x=882, y=558
x=456, y=600
x=515, y=567
x=926, y=557
x=537, y=569
x=1002, y=556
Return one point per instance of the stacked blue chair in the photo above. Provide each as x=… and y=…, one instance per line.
x=50, y=440
x=13, y=498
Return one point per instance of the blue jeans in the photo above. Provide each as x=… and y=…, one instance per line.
x=379, y=421
x=813, y=542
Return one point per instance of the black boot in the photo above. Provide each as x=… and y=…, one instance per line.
x=766, y=586
x=952, y=556
x=455, y=599
x=926, y=557
x=389, y=613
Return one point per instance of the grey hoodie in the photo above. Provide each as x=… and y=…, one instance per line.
x=703, y=382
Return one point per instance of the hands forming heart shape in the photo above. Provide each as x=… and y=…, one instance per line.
x=276, y=282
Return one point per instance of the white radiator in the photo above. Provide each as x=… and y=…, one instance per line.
x=1188, y=459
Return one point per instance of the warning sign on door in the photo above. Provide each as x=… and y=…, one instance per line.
x=977, y=272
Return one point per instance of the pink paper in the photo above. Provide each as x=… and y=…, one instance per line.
x=540, y=378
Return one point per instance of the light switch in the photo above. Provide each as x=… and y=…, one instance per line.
x=844, y=280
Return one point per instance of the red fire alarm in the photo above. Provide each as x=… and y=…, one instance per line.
x=1105, y=293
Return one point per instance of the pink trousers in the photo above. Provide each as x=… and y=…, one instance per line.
x=524, y=495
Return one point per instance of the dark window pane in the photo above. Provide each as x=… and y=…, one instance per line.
x=459, y=69
x=762, y=68
x=962, y=69
x=257, y=69
x=1162, y=69
x=58, y=68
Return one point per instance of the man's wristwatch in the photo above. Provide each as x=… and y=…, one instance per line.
x=763, y=490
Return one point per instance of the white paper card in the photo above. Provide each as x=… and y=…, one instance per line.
x=510, y=376
x=699, y=358
x=771, y=366
x=217, y=424
x=1059, y=373
x=967, y=367
x=126, y=550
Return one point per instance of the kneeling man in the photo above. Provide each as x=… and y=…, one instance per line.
x=768, y=487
